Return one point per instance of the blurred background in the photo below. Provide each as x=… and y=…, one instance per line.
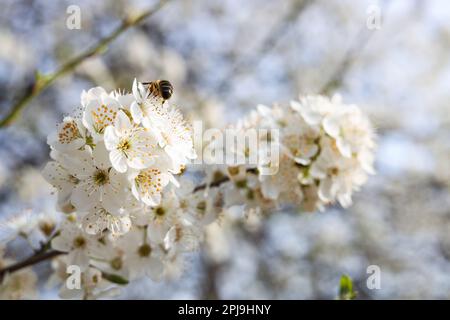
x=224, y=58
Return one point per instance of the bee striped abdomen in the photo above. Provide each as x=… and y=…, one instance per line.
x=160, y=88
x=166, y=89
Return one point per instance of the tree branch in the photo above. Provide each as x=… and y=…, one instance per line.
x=213, y=184
x=218, y=182
x=34, y=259
x=267, y=44
x=42, y=82
x=350, y=56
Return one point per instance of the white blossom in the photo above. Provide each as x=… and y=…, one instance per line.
x=326, y=148
x=79, y=245
x=141, y=255
x=100, y=112
x=93, y=283
x=70, y=135
x=63, y=181
x=148, y=184
x=351, y=130
x=129, y=146
x=99, y=219
x=98, y=182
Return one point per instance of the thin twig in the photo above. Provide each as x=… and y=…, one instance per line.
x=42, y=82
x=34, y=259
x=268, y=44
x=336, y=79
x=352, y=54
x=218, y=182
x=213, y=184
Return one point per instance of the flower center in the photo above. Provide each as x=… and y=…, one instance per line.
x=201, y=206
x=231, y=170
x=79, y=242
x=68, y=133
x=102, y=117
x=333, y=171
x=149, y=181
x=144, y=250
x=160, y=211
x=116, y=263
x=124, y=145
x=184, y=204
x=101, y=177
x=47, y=227
x=241, y=184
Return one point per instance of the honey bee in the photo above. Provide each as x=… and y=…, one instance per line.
x=160, y=88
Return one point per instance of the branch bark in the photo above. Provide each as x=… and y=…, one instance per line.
x=220, y=181
x=34, y=259
x=213, y=184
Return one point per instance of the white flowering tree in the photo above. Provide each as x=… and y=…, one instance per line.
x=131, y=206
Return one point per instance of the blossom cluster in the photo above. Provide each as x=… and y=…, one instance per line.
x=130, y=210
x=326, y=152
x=115, y=155
x=114, y=163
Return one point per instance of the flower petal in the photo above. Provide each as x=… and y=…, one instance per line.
x=118, y=160
x=136, y=112
x=122, y=122
x=111, y=139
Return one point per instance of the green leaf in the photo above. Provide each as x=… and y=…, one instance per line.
x=346, y=291
x=114, y=278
